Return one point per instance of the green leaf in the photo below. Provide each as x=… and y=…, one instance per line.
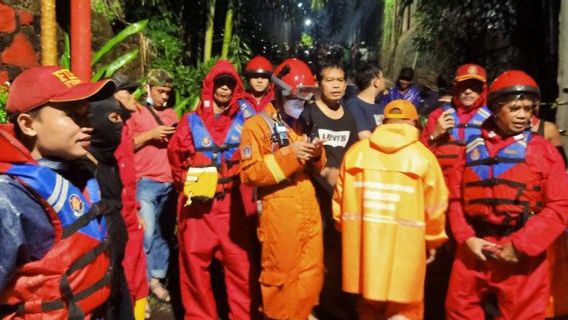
x=65, y=60
x=128, y=31
x=118, y=63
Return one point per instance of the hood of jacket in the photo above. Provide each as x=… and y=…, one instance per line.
x=205, y=107
x=389, y=138
x=12, y=149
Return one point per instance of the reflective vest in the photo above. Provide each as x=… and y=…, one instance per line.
x=500, y=190
x=450, y=152
x=224, y=157
x=73, y=277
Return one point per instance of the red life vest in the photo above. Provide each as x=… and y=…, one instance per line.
x=73, y=278
x=500, y=190
x=451, y=151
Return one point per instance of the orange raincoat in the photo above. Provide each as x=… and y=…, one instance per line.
x=389, y=204
x=290, y=229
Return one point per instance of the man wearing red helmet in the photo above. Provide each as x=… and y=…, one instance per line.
x=259, y=92
x=276, y=155
x=204, y=157
x=509, y=207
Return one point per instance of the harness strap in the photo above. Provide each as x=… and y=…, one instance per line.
x=498, y=201
x=496, y=181
x=468, y=125
x=493, y=160
x=53, y=305
x=93, y=213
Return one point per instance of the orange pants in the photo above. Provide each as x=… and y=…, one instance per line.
x=558, y=259
x=375, y=310
x=292, y=258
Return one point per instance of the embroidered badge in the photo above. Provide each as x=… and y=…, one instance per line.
x=475, y=154
x=76, y=205
x=206, y=142
x=246, y=152
x=246, y=113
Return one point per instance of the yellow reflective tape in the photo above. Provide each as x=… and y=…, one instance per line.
x=274, y=168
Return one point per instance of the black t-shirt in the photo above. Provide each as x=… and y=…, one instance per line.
x=338, y=134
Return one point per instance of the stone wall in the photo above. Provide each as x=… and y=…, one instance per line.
x=19, y=41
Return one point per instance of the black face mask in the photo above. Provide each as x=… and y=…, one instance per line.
x=106, y=134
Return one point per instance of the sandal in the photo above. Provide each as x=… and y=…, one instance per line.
x=159, y=291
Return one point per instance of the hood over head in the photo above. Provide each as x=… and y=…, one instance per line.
x=224, y=69
x=389, y=138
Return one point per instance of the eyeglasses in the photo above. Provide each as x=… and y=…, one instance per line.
x=306, y=93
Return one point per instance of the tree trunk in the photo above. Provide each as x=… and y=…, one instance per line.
x=209, y=32
x=48, y=33
x=562, y=112
x=228, y=30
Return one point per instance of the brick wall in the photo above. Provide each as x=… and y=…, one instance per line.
x=19, y=41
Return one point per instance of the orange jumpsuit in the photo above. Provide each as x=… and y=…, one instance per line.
x=290, y=229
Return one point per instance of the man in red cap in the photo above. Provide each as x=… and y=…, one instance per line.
x=507, y=208
x=276, y=155
x=259, y=93
x=212, y=222
x=53, y=239
x=447, y=130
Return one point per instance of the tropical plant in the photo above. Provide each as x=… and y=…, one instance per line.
x=3, y=99
x=107, y=70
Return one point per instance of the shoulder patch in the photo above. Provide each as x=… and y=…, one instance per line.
x=246, y=152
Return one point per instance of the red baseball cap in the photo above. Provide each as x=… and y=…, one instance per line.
x=471, y=71
x=39, y=85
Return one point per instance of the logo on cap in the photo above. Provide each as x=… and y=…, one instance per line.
x=472, y=70
x=67, y=77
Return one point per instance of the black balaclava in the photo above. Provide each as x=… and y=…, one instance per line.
x=106, y=134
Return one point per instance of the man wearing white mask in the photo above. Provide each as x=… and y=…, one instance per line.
x=276, y=155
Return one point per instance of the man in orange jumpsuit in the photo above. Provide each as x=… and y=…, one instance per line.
x=389, y=203
x=507, y=208
x=276, y=154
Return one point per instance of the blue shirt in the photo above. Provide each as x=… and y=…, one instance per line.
x=367, y=116
x=411, y=94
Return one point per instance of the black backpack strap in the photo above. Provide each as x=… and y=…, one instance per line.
x=155, y=115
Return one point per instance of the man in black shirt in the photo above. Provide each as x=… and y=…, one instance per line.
x=332, y=123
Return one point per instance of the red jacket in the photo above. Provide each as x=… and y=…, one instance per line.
x=259, y=106
x=181, y=149
x=542, y=228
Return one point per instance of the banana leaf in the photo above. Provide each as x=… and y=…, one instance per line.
x=65, y=60
x=128, y=31
x=111, y=68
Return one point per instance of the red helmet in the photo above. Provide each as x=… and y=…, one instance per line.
x=296, y=79
x=259, y=65
x=513, y=82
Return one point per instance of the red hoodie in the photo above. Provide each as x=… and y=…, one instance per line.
x=181, y=144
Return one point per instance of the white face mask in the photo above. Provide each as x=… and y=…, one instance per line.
x=294, y=107
x=149, y=100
